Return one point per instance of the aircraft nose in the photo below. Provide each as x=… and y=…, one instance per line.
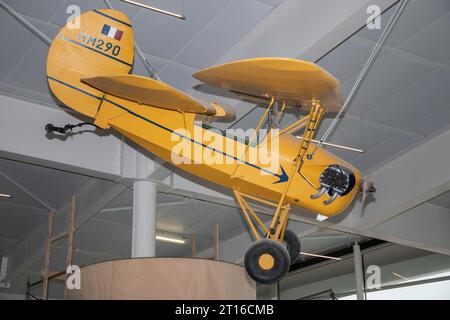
x=335, y=181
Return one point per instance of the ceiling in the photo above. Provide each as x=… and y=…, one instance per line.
x=403, y=101
x=339, y=275
x=404, y=98
x=34, y=191
x=192, y=43
x=443, y=200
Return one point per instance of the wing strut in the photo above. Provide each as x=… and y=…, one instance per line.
x=278, y=224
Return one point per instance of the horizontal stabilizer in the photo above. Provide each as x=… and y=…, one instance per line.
x=149, y=92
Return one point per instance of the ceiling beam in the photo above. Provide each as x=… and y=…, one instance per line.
x=411, y=179
x=310, y=29
x=26, y=191
x=31, y=249
x=88, y=153
x=106, y=156
x=423, y=227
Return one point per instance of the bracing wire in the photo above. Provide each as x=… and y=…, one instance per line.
x=374, y=54
x=141, y=55
x=26, y=23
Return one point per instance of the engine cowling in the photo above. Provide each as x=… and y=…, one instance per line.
x=335, y=181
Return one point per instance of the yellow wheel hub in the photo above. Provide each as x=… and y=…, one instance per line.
x=266, y=261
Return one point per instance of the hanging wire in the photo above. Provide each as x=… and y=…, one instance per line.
x=26, y=23
x=159, y=10
x=48, y=41
x=141, y=55
x=183, y=8
x=375, y=52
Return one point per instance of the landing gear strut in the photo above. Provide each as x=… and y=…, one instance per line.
x=269, y=258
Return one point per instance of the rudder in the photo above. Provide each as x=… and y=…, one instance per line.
x=102, y=46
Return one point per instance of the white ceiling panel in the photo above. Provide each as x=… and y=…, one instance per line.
x=124, y=199
x=432, y=42
x=389, y=75
x=41, y=9
x=121, y=216
x=298, y=227
x=374, y=34
x=347, y=59
x=442, y=200
x=19, y=222
x=201, y=230
x=61, y=16
x=221, y=33
x=385, y=151
x=374, y=133
x=30, y=73
x=432, y=122
x=165, y=249
x=178, y=219
x=347, y=86
x=6, y=245
x=178, y=76
x=417, y=15
x=165, y=36
x=359, y=133
x=166, y=198
x=17, y=40
x=273, y=3
x=249, y=120
x=130, y=10
x=19, y=196
x=82, y=258
x=348, y=133
x=54, y=187
x=107, y=237
x=423, y=97
x=205, y=209
x=323, y=243
x=230, y=220
x=156, y=63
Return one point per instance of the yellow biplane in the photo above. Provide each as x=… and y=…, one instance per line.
x=88, y=71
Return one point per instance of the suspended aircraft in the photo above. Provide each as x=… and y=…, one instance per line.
x=88, y=70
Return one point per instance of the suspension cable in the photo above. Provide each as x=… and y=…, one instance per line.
x=141, y=55
x=374, y=54
x=26, y=23
x=48, y=41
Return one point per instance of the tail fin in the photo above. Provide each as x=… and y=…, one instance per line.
x=103, y=45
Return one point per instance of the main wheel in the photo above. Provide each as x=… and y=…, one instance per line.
x=292, y=243
x=267, y=261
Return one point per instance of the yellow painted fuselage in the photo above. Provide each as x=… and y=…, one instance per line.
x=153, y=128
x=97, y=50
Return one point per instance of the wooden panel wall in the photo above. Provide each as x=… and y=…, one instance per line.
x=164, y=278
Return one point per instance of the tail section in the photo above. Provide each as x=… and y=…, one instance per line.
x=103, y=45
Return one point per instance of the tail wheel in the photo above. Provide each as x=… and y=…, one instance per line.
x=292, y=243
x=267, y=261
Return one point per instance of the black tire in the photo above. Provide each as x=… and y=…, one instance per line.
x=279, y=256
x=292, y=245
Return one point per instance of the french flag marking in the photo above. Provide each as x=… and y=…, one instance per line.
x=112, y=32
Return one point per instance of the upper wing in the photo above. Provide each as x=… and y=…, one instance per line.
x=290, y=81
